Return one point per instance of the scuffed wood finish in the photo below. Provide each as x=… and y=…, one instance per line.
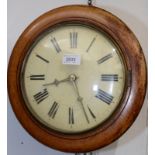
x=134, y=94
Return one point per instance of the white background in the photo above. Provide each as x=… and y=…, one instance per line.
x=134, y=14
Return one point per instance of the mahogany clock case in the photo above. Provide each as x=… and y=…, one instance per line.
x=135, y=88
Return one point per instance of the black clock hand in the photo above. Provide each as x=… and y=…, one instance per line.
x=73, y=79
x=57, y=82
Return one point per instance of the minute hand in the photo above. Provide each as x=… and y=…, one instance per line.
x=80, y=99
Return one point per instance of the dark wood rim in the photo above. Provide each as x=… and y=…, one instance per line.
x=135, y=88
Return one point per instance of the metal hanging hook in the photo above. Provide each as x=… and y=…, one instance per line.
x=90, y=2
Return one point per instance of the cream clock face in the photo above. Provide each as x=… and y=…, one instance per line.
x=73, y=78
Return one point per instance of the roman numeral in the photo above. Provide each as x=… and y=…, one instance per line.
x=103, y=96
x=109, y=77
x=53, y=110
x=40, y=96
x=91, y=113
x=71, y=116
x=37, y=77
x=73, y=39
x=92, y=42
x=56, y=45
x=105, y=58
x=38, y=56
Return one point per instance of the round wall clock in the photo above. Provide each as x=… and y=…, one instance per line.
x=77, y=78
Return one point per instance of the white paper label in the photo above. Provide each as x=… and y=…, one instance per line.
x=70, y=59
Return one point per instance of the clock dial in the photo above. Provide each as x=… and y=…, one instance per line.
x=73, y=78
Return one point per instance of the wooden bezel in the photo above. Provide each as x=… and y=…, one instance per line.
x=136, y=79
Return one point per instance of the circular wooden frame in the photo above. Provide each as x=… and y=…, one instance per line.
x=136, y=78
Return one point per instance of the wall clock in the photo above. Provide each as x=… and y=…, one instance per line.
x=77, y=78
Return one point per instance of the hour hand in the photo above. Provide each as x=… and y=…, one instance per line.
x=56, y=82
